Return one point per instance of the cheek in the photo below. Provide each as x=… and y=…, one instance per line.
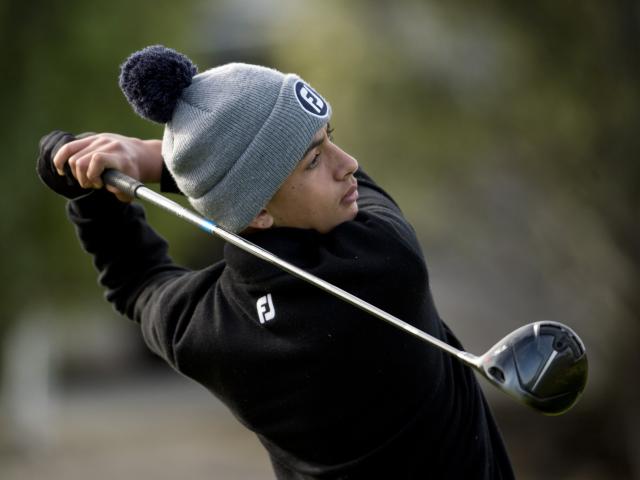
x=293, y=194
x=291, y=203
x=309, y=201
x=312, y=202
x=304, y=200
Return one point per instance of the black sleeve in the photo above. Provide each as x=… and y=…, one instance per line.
x=167, y=182
x=374, y=200
x=372, y=195
x=140, y=279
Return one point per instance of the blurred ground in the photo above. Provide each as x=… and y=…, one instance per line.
x=163, y=427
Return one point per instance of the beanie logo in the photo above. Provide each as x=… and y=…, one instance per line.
x=310, y=100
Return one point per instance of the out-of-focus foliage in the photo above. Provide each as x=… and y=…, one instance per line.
x=507, y=131
x=60, y=71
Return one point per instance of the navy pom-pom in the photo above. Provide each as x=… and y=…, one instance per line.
x=153, y=78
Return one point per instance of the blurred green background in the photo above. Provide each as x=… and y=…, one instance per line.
x=507, y=131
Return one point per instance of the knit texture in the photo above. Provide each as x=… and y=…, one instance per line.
x=153, y=79
x=235, y=132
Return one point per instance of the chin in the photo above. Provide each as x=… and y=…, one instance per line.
x=347, y=218
x=343, y=217
x=354, y=212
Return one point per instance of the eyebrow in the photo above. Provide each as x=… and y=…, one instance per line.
x=316, y=143
x=313, y=145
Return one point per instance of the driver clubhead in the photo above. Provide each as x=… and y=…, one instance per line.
x=543, y=364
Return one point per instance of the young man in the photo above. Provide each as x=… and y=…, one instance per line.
x=331, y=392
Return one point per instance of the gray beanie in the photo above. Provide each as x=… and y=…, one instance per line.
x=233, y=133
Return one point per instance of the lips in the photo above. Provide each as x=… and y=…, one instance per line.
x=351, y=195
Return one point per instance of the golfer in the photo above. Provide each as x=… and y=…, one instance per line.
x=331, y=392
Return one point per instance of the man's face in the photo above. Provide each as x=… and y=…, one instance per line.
x=321, y=193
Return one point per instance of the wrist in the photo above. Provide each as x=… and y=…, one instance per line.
x=150, y=164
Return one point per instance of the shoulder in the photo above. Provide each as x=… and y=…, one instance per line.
x=377, y=244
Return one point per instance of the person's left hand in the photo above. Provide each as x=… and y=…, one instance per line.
x=66, y=184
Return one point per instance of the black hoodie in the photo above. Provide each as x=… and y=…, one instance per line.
x=331, y=391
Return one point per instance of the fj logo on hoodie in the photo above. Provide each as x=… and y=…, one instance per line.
x=266, y=310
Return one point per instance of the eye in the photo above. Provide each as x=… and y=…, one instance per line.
x=314, y=161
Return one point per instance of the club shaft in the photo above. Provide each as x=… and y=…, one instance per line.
x=138, y=190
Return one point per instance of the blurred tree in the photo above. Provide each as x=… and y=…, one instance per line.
x=586, y=58
x=61, y=70
x=506, y=131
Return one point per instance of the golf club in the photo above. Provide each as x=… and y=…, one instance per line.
x=542, y=364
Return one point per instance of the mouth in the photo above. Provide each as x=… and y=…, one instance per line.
x=351, y=195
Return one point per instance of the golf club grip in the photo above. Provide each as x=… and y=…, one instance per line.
x=122, y=182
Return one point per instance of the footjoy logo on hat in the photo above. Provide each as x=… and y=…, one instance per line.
x=310, y=100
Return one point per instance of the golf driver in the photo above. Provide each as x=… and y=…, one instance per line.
x=543, y=364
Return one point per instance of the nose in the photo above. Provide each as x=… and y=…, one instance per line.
x=345, y=164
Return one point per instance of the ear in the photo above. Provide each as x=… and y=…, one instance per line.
x=262, y=221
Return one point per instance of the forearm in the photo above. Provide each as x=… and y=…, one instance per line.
x=126, y=251
x=151, y=166
x=141, y=280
